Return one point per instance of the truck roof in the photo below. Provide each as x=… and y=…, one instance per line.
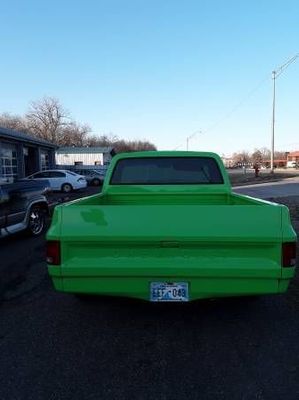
x=167, y=153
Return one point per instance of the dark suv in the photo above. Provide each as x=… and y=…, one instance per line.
x=23, y=206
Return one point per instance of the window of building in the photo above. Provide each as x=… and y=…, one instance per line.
x=44, y=160
x=78, y=163
x=8, y=161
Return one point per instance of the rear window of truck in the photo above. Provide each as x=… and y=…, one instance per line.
x=166, y=171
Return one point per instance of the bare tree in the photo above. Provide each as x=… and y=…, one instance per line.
x=257, y=157
x=74, y=134
x=120, y=145
x=49, y=120
x=263, y=155
x=266, y=153
x=46, y=119
x=102, y=141
x=14, y=122
x=134, y=145
x=92, y=141
x=241, y=159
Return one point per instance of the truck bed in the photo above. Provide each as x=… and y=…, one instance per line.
x=151, y=198
x=186, y=218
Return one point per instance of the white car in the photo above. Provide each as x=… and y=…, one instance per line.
x=61, y=179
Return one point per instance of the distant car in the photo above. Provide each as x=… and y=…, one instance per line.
x=23, y=206
x=93, y=177
x=60, y=179
x=292, y=164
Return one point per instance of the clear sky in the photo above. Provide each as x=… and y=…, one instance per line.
x=159, y=70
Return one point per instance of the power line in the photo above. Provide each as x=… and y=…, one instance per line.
x=234, y=109
x=238, y=105
x=284, y=66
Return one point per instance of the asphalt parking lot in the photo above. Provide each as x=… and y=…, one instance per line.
x=54, y=346
x=55, y=198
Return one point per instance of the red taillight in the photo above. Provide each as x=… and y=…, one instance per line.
x=53, y=252
x=289, y=254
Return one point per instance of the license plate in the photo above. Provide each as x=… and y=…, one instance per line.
x=169, y=291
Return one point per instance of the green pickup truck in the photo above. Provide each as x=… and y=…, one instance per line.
x=167, y=227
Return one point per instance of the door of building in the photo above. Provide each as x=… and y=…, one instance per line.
x=30, y=160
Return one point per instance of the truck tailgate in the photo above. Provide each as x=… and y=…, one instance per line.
x=130, y=240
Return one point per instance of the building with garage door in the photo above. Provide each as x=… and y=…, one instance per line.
x=84, y=156
x=22, y=155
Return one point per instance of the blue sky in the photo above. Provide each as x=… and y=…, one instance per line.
x=158, y=70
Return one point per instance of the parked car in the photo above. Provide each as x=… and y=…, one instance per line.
x=92, y=176
x=23, y=206
x=60, y=179
x=167, y=227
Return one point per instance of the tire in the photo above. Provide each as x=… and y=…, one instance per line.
x=37, y=221
x=96, y=182
x=66, y=188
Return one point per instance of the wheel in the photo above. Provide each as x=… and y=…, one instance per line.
x=66, y=188
x=37, y=221
x=96, y=182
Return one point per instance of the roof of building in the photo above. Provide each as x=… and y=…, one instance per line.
x=84, y=150
x=293, y=154
x=24, y=137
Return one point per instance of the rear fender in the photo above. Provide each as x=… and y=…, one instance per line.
x=41, y=203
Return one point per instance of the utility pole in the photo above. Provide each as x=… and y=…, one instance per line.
x=275, y=74
x=273, y=122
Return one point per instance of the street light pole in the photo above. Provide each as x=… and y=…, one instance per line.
x=275, y=74
x=190, y=137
